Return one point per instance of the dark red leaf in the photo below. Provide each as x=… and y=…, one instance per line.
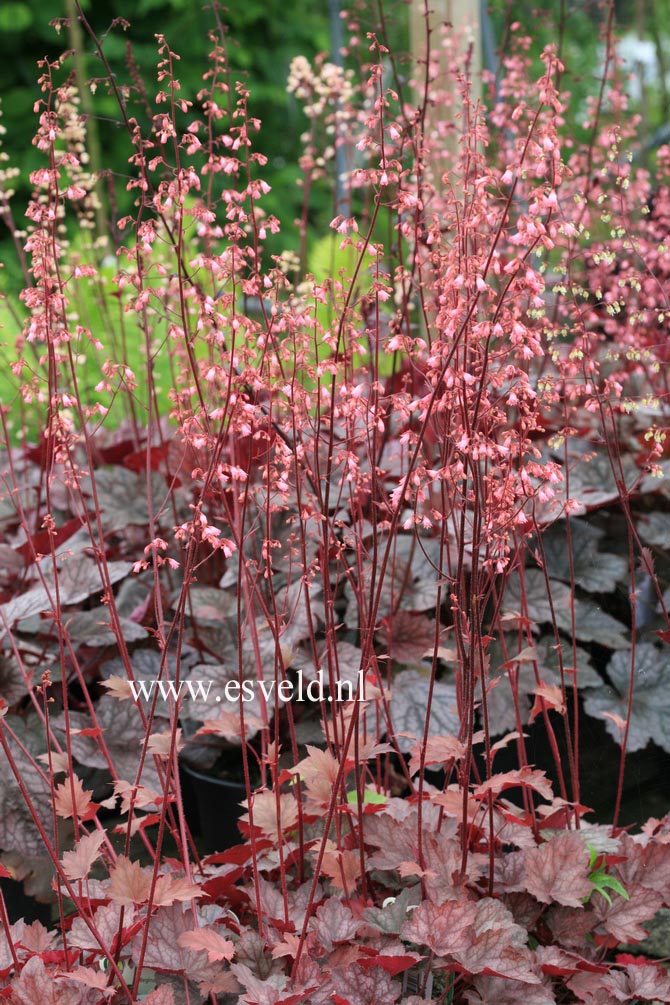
x=556, y=962
x=626, y=959
x=647, y=865
x=43, y=541
x=148, y=820
x=115, y=453
x=365, y=987
x=563, y=817
x=223, y=888
x=623, y=919
x=39, y=453
x=137, y=460
x=393, y=965
x=239, y=854
x=649, y=982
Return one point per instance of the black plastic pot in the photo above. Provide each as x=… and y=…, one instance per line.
x=646, y=790
x=216, y=803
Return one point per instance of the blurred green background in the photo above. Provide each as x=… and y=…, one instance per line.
x=263, y=36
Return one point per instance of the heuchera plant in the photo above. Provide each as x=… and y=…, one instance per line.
x=430, y=479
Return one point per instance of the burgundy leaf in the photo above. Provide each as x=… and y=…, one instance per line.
x=356, y=986
x=510, y=872
x=442, y=858
x=500, y=991
x=395, y=839
x=557, y=871
x=276, y=989
x=497, y=945
x=393, y=832
x=480, y=936
x=393, y=963
x=570, y=926
x=36, y=984
x=443, y=928
x=334, y=923
x=524, y=777
x=649, y=982
x=163, y=951
x=107, y=920
x=557, y=962
x=252, y=952
x=623, y=919
x=524, y=908
x=163, y=995
x=600, y=989
x=647, y=865
x=406, y=636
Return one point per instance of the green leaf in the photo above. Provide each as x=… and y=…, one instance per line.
x=327, y=259
x=604, y=882
x=601, y=879
x=369, y=796
x=15, y=17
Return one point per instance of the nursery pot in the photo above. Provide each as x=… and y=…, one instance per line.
x=216, y=802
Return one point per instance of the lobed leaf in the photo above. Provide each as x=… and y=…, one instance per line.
x=409, y=704
x=558, y=870
x=651, y=698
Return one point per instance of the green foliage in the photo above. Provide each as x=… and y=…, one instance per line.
x=577, y=30
x=369, y=796
x=261, y=44
x=601, y=879
x=98, y=306
x=15, y=17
